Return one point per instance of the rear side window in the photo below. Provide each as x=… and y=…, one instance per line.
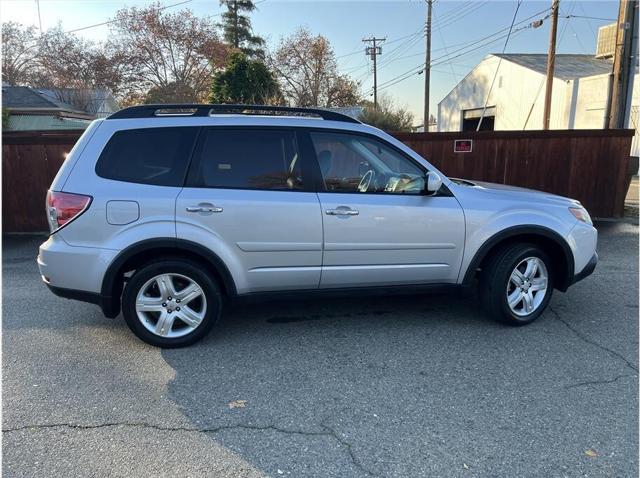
x=247, y=159
x=156, y=156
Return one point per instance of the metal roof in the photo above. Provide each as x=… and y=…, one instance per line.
x=567, y=66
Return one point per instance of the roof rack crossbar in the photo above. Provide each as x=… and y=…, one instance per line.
x=204, y=110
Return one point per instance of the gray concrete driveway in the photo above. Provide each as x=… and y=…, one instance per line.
x=404, y=386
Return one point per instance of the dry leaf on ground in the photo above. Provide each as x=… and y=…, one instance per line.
x=237, y=404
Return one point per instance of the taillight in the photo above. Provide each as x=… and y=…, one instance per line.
x=62, y=208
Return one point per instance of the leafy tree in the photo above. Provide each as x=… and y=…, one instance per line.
x=236, y=27
x=244, y=81
x=163, y=52
x=171, y=93
x=308, y=73
x=388, y=116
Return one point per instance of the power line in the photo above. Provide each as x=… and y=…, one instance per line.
x=476, y=41
x=359, y=50
x=588, y=22
x=114, y=20
x=472, y=9
x=591, y=18
x=418, y=69
x=403, y=47
x=446, y=51
x=455, y=11
x=495, y=75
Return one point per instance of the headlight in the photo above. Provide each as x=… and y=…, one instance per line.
x=581, y=214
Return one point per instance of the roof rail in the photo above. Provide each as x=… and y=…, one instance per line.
x=203, y=110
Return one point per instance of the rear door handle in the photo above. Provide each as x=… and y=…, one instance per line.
x=342, y=212
x=204, y=208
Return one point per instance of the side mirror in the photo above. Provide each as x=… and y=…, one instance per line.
x=433, y=182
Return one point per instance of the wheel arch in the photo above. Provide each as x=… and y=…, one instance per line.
x=549, y=240
x=140, y=253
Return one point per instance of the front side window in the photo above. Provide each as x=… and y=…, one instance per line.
x=156, y=156
x=248, y=159
x=355, y=163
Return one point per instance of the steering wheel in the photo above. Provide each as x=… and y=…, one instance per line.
x=365, y=182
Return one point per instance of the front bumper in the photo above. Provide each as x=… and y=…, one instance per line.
x=587, y=270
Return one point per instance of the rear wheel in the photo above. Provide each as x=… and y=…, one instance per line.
x=171, y=303
x=516, y=284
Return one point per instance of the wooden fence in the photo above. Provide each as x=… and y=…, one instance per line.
x=588, y=165
x=30, y=161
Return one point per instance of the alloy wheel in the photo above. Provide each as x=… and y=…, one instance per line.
x=527, y=286
x=171, y=305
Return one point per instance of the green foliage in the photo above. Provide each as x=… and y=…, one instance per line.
x=5, y=118
x=174, y=92
x=236, y=27
x=387, y=117
x=245, y=81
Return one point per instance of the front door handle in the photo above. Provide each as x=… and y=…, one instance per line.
x=342, y=211
x=204, y=208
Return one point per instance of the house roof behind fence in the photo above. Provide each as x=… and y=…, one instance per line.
x=94, y=102
x=24, y=97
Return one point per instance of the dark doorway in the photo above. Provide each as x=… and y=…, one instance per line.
x=471, y=118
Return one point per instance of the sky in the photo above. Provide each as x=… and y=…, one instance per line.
x=460, y=39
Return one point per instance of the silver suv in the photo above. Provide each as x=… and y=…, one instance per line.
x=166, y=211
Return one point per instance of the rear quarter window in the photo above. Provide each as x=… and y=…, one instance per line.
x=157, y=156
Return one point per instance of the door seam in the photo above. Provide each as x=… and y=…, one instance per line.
x=322, y=240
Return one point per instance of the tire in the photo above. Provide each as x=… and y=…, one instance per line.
x=171, y=303
x=499, y=282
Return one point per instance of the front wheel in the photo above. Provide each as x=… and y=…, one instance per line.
x=516, y=284
x=171, y=303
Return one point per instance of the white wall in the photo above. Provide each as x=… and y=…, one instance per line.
x=590, y=102
x=517, y=92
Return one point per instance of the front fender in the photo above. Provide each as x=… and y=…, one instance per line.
x=481, y=239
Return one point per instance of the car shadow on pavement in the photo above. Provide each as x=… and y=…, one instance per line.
x=308, y=387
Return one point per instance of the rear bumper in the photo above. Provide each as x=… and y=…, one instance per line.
x=76, y=272
x=587, y=270
x=105, y=303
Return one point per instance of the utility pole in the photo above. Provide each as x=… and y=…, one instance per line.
x=551, y=62
x=427, y=66
x=622, y=62
x=39, y=17
x=374, y=51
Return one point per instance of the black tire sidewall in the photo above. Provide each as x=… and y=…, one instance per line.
x=175, y=266
x=498, y=278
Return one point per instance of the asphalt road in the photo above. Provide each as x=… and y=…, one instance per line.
x=403, y=387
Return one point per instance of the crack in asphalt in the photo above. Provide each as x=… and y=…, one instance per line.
x=586, y=339
x=598, y=382
x=330, y=432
